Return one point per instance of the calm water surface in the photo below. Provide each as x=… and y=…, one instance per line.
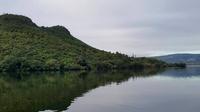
x=170, y=91
x=173, y=90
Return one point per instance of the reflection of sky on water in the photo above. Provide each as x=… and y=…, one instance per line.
x=175, y=90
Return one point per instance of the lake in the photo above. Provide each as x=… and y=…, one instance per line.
x=172, y=90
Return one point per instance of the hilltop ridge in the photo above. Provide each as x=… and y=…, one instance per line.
x=8, y=19
x=181, y=58
x=28, y=47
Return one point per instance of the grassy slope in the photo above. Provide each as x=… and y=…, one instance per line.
x=25, y=46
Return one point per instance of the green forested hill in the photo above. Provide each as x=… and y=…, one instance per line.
x=25, y=46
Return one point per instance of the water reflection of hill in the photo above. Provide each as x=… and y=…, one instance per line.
x=55, y=91
x=181, y=73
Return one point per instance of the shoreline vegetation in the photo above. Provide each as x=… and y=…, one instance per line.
x=24, y=46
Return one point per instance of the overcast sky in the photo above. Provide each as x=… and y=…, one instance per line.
x=142, y=27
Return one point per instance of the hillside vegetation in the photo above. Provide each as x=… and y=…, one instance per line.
x=24, y=46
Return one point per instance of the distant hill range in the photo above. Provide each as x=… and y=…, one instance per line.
x=181, y=58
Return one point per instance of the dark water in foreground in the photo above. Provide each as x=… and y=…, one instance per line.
x=173, y=90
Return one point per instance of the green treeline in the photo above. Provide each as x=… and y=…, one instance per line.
x=24, y=46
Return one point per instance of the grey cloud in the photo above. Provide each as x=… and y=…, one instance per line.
x=145, y=27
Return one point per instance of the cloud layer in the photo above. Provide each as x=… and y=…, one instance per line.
x=143, y=27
